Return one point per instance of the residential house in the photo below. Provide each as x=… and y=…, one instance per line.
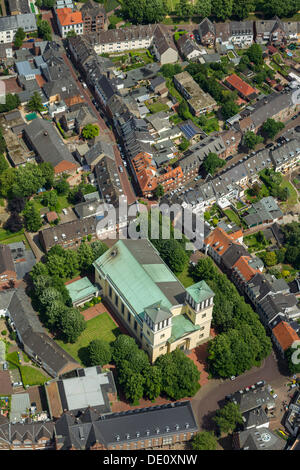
x=188, y=49
x=199, y=102
x=108, y=180
x=253, y=439
x=283, y=336
x=69, y=20
x=8, y=275
x=77, y=118
x=148, y=177
x=49, y=147
x=27, y=436
x=158, y=86
x=16, y=306
x=18, y=7
x=9, y=25
x=269, y=31
x=94, y=17
x=244, y=90
x=97, y=152
x=286, y=157
x=264, y=211
x=207, y=32
x=68, y=234
x=222, y=34
x=241, y=33
x=149, y=300
x=163, y=46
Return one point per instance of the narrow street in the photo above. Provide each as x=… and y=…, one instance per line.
x=126, y=185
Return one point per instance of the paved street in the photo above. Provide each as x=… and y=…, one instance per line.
x=211, y=396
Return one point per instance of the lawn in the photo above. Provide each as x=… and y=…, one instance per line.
x=253, y=245
x=157, y=107
x=184, y=277
x=13, y=360
x=101, y=327
x=232, y=216
x=293, y=197
x=31, y=376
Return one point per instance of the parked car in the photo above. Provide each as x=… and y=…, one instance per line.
x=65, y=211
x=5, y=366
x=269, y=145
x=233, y=377
x=275, y=395
x=260, y=383
x=120, y=169
x=229, y=158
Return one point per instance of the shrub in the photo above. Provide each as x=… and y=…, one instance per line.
x=4, y=333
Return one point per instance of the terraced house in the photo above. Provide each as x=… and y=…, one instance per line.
x=150, y=301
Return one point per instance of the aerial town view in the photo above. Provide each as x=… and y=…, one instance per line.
x=149, y=226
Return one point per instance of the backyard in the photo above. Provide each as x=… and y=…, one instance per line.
x=7, y=237
x=255, y=243
x=100, y=327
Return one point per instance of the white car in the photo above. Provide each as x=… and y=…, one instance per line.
x=275, y=395
x=65, y=211
x=233, y=377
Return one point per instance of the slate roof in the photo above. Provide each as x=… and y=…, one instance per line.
x=128, y=426
x=6, y=260
x=47, y=143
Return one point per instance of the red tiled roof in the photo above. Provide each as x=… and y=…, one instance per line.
x=239, y=84
x=67, y=17
x=64, y=166
x=285, y=335
x=51, y=216
x=223, y=239
x=246, y=271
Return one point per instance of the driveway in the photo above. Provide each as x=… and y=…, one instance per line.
x=212, y=396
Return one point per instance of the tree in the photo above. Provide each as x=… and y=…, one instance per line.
x=174, y=366
x=44, y=30
x=152, y=385
x=203, y=8
x=270, y=258
x=229, y=109
x=72, y=324
x=184, y=144
x=90, y=131
x=48, y=3
x=254, y=54
x=38, y=270
x=99, y=352
x=16, y=204
x=71, y=34
x=85, y=257
x=204, y=441
x=172, y=253
x=50, y=199
x=251, y=139
x=35, y=103
x=11, y=102
x=271, y=127
x=159, y=191
x=98, y=248
x=19, y=38
x=169, y=70
x=133, y=387
x=33, y=221
x=242, y=8
x=212, y=162
x=145, y=11
x=14, y=223
x=183, y=110
x=53, y=313
x=222, y=9
x=123, y=347
x=228, y=417
x=184, y=9
x=62, y=186
x=220, y=357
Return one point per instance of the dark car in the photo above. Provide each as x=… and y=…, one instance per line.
x=297, y=129
x=294, y=117
x=269, y=146
x=229, y=158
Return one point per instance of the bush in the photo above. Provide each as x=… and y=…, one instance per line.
x=4, y=333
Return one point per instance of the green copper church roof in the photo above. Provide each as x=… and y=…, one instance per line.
x=200, y=292
x=181, y=326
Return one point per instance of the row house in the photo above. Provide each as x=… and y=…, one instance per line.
x=270, y=31
x=241, y=33
x=28, y=436
x=8, y=273
x=286, y=157
x=283, y=336
x=9, y=25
